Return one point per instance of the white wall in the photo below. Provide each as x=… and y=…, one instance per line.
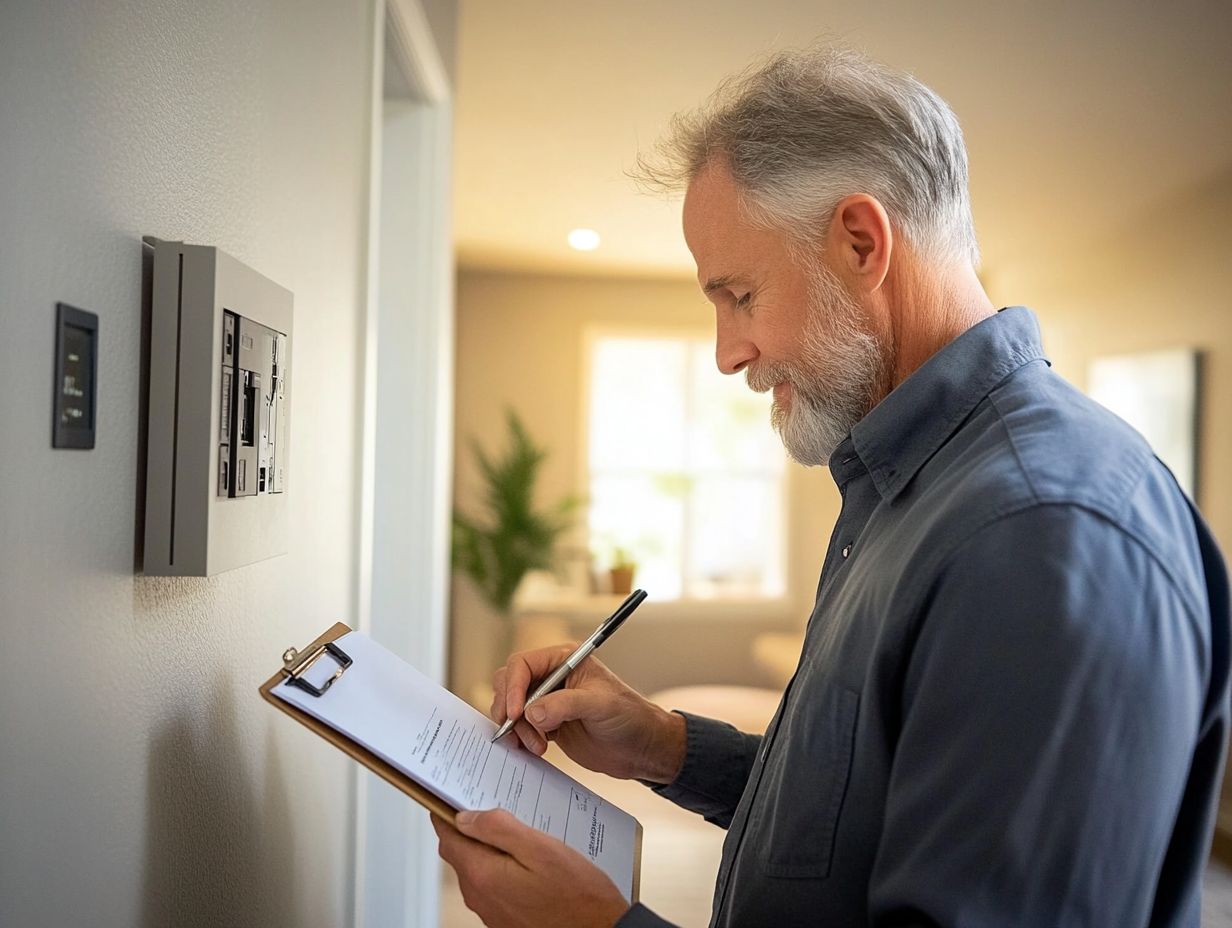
x=142, y=780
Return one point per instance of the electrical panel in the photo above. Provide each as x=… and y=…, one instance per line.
x=252, y=430
x=219, y=413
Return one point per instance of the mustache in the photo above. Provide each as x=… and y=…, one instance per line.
x=763, y=376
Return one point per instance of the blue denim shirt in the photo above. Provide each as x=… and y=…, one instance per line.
x=1012, y=702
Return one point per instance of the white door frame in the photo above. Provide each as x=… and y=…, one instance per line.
x=402, y=558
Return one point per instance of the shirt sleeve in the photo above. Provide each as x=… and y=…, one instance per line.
x=717, y=762
x=1050, y=708
x=716, y=766
x=641, y=917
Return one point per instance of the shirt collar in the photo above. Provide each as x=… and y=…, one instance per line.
x=907, y=428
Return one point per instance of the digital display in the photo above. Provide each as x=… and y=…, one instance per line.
x=76, y=387
x=76, y=373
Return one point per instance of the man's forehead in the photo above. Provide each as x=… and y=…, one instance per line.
x=712, y=197
x=711, y=217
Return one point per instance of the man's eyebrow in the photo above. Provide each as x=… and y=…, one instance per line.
x=719, y=283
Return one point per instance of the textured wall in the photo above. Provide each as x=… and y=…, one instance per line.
x=142, y=780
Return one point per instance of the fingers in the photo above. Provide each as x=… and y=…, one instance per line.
x=483, y=870
x=531, y=739
x=455, y=847
x=499, y=829
x=522, y=669
x=549, y=712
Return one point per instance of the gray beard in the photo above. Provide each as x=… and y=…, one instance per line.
x=835, y=379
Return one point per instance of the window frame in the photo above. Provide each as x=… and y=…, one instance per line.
x=768, y=608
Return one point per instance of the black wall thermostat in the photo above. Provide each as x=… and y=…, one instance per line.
x=75, y=398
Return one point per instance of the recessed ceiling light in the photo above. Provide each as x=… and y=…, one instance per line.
x=584, y=239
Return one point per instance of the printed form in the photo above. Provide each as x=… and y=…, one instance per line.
x=435, y=738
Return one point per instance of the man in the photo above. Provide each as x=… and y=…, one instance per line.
x=1012, y=702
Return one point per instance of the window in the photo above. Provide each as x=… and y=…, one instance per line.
x=686, y=477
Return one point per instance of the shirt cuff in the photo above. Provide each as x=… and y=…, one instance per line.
x=641, y=917
x=717, y=762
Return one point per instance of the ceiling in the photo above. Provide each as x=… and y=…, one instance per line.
x=1080, y=117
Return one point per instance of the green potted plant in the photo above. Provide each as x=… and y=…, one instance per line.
x=511, y=536
x=620, y=572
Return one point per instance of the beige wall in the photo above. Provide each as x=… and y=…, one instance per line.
x=520, y=343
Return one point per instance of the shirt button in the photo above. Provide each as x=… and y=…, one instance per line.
x=846, y=550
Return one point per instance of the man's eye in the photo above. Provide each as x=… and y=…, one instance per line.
x=744, y=301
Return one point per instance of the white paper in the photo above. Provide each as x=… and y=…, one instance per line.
x=435, y=738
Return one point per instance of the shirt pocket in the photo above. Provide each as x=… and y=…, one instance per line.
x=792, y=825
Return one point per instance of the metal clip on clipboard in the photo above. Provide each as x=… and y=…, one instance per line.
x=295, y=665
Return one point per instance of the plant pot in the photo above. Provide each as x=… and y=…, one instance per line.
x=622, y=580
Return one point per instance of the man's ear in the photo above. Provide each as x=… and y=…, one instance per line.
x=861, y=240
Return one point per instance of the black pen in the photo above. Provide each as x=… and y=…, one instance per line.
x=556, y=678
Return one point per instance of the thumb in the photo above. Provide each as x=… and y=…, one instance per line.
x=553, y=710
x=499, y=829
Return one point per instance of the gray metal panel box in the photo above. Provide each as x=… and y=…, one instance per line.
x=219, y=414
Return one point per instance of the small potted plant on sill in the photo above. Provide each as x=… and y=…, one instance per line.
x=621, y=572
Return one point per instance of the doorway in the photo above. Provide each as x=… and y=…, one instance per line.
x=403, y=550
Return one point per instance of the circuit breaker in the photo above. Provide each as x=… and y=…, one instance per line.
x=252, y=429
x=219, y=413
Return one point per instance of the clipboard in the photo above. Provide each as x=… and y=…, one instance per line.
x=296, y=664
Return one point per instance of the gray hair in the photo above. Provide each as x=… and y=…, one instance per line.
x=809, y=127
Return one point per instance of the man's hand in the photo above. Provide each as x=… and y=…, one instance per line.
x=599, y=721
x=515, y=877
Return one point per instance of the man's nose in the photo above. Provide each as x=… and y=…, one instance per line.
x=733, y=349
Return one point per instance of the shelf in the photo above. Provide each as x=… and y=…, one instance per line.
x=569, y=605
x=583, y=608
